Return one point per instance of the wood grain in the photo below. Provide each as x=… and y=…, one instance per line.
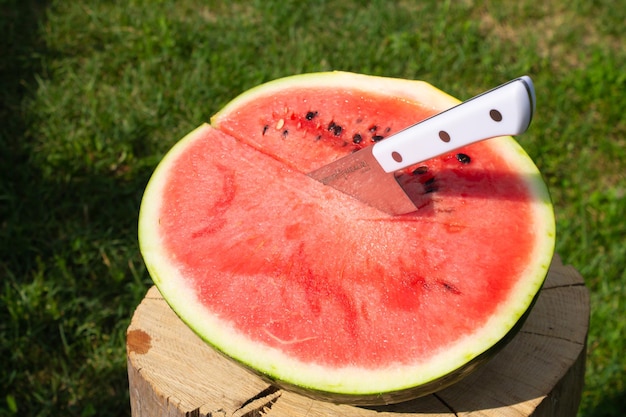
x=539, y=373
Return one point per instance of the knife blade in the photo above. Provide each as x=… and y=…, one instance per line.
x=368, y=174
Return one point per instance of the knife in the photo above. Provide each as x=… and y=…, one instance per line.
x=368, y=174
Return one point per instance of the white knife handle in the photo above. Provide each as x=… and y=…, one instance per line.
x=504, y=110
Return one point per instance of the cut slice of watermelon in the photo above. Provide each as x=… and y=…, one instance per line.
x=320, y=292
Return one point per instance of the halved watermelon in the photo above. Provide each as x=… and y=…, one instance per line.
x=320, y=292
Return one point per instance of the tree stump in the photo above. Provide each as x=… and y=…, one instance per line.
x=172, y=372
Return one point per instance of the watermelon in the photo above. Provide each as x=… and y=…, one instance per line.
x=319, y=292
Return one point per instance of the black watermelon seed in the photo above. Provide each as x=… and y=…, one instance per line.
x=311, y=115
x=335, y=128
x=387, y=129
x=318, y=137
x=430, y=186
x=377, y=138
x=357, y=138
x=285, y=133
x=265, y=129
x=373, y=128
x=451, y=288
x=463, y=158
x=420, y=170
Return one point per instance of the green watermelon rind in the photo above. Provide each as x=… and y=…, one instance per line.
x=351, y=384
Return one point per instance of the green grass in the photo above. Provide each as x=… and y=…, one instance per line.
x=94, y=92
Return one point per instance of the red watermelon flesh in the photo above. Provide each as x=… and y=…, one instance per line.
x=317, y=290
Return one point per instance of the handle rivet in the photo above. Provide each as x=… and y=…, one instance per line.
x=495, y=115
x=396, y=156
x=444, y=136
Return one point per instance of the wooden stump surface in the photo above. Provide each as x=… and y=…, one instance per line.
x=172, y=372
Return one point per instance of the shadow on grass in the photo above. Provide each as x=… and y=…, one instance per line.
x=71, y=275
x=612, y=406
x=19, y=65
